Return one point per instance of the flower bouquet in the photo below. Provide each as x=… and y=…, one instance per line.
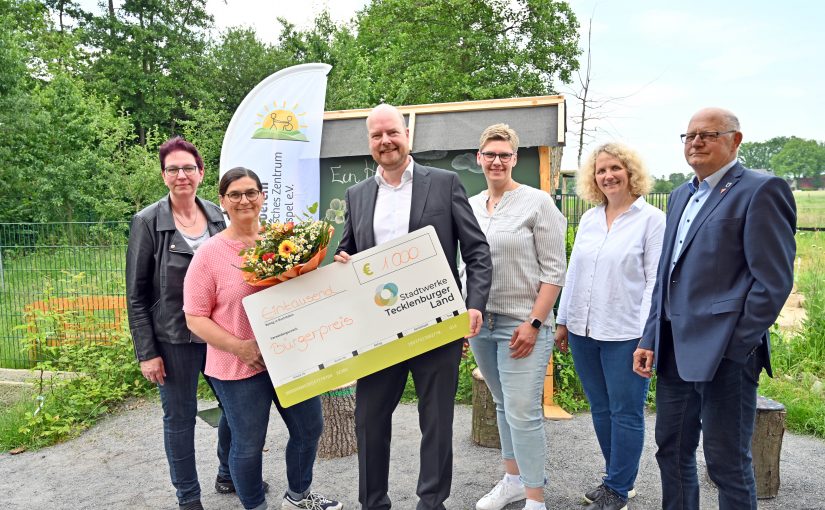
x=286, y=250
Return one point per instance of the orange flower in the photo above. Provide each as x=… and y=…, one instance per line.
x=286, y=248
x=266, y=257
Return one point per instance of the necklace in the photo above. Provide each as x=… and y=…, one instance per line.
x=241, y=238
x=182, y=224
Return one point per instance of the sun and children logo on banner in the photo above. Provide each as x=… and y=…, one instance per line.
x=286, y=107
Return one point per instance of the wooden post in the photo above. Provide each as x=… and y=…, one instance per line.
x=338, y=438
x=766, y=446
x=551, y=410
x=485, y=427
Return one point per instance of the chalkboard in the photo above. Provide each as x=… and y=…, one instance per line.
x=338, y=174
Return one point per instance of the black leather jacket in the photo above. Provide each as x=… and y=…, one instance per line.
x=156, y=262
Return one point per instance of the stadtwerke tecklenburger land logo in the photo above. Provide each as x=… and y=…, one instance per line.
x=386, y=294
x=280, y=123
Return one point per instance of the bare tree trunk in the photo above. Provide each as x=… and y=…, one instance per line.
x=338, y=438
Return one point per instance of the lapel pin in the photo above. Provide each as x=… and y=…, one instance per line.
x=723, y=190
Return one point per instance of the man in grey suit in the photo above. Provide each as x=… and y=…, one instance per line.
x=725, y=272
x=405, y=196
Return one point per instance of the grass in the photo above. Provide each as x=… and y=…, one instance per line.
x=810, y=207
x=798, y=358
x=31, y=276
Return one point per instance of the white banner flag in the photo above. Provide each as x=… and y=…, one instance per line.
x=276, y=132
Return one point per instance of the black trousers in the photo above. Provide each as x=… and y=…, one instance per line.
x=435, y=374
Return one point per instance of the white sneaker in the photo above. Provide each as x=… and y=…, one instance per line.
x=502, y=495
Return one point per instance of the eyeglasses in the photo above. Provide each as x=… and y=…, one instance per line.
x=172, y=171
x=710, y=136
x=504, y=157
x=250, y=194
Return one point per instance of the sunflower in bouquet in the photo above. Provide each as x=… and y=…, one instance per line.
x=286, y=250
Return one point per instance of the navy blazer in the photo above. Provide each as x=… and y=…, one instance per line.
x=732, y=277
x=438, y=199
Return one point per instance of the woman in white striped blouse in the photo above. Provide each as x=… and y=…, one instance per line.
x=604, y=307
x=526, y=234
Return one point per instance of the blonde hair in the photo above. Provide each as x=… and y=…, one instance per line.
x=499, y=132
x=640, y=181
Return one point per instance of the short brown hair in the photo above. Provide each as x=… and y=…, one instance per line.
x=499, y=132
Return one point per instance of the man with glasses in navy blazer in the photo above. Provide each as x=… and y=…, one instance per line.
x=725, y=272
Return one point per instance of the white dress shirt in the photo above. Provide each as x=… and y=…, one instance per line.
x=391, y=218
x=612, y=272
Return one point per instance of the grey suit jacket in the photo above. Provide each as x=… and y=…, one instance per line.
x=732, y=277
x=438, y=199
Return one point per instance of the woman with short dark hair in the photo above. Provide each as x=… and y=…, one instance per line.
x=162, y=240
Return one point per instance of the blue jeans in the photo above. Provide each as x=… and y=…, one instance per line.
x=516, y=386
x=246, y=403
x=617, y=400
x=179, y=397
x=723, y=410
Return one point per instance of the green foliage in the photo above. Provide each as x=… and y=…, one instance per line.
x=799, y=158
x=803, y=398
x=454, y=50
x=798, y=357
x=234, y=65
x=568, y=391
x=673, y=181
x=759, y=154
x=149, y=55
x=105, y=373
x=810, y=209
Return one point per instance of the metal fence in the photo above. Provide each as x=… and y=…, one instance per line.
x=73, y=269
x=77, y=270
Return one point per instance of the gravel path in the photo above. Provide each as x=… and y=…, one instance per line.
x=120, y=464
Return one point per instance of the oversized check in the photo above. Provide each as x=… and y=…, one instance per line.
x=344, y=321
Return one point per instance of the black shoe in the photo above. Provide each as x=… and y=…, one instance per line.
x=226, y=486
x=192, y=505
x=608, y=500
x=596, y=493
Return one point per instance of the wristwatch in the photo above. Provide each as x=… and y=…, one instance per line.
x=536, y=323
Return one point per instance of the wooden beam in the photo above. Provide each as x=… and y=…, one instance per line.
x=463, y=106
x=411, y=127
x=551, y=410
x=544, y=169
x=562, y=122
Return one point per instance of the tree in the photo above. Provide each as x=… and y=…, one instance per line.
x=800, y=158
x=235, y=64
x=418, y=51
x=350, y=81
x=673, y=181
x=759, y=154
x=148, y=54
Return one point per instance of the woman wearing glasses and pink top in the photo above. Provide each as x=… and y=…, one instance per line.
x=213, y=290
x=604, y=307
x=526, y=234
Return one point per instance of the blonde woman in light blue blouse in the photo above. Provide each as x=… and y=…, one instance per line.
x=526, y=234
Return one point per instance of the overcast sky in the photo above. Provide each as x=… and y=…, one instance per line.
x=762, y=59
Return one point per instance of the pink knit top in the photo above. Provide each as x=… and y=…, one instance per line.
x=213, y=288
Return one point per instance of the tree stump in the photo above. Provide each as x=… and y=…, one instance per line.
x=338, y=438
x=485, y=428
x=767, y=445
